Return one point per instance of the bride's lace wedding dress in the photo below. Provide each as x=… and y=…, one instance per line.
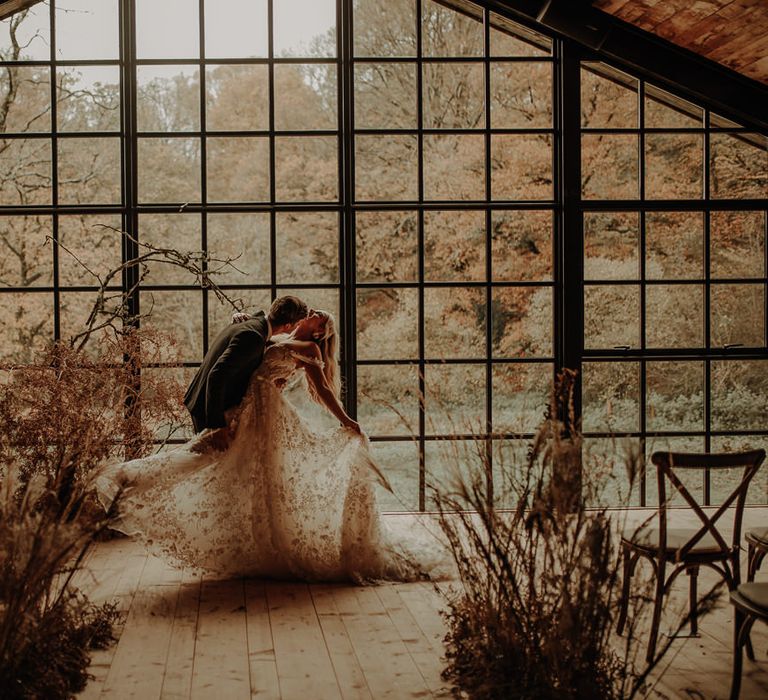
x=286, y=500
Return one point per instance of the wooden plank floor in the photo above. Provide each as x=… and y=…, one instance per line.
x=184, y=636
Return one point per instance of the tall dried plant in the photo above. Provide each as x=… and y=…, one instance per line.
x=534, y=614
x=84, y=401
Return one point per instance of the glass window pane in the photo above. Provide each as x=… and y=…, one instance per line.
x=608, y=98
x=450, y=463
x=226, y=110
x=384, y=28
x=235, y=28
x=510, y=466
x=315, y=33
x=521, y=242
x=609, y=166
x=74, y=310
x=692, y=479
x=738, y=314
x=445, y=32
x=387, y=246
x=611, y=316
x=453, y=95
x=177, y=314
x=245, y=239
x=739, y=166
x=674, y=245
x=27, y=259
x=88, y=98
x=385, y=95
x=739, y=394
x=454, y=322
x=220, y=314
x=96, y=241
x=663, y=110
x=675, y=396
x=386, y=168
x=509, y=38
x=324, y=300
x=674, y=315
x=25, y=171
x=175, y=231
x=521, y=167
x=521, y=319
x=454, y=167
x=454, y=245
x=27, y=38
x=87, y=29
x=306, y=169
x=758, y=489
x=237, y=169
x=169, y=170
x=607, y=465
x=307, y=247
x=455, y=399
x=521, y=394
x=89, y=171
x=29, y=108
x=737, y=240
x=387, y=324
x=156, y=21
x=305, y=96
x=611, y=396
x=168, y=99
x=611, y=245
x=388, y=399
x=26, y=326
x=521, y=95
x=674, y=166
x=400, y=463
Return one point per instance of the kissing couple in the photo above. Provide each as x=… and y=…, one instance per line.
x=261, y=490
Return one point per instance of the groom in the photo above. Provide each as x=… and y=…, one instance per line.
x=232, y=357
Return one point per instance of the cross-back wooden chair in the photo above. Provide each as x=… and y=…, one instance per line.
x=757, y=548
x=687, y=549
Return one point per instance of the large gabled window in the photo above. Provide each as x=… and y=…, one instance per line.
x=404, y=164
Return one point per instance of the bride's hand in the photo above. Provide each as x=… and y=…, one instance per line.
x=215, y=441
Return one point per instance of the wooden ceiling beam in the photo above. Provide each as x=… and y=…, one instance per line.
x=10, y=7
x=660, y=61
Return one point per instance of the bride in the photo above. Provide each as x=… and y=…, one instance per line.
x=285, y=500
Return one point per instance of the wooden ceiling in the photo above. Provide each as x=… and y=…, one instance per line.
x=732, y=32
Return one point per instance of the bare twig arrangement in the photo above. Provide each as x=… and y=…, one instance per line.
x=111, y=308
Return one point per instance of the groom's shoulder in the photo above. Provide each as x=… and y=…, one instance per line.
x=255, y=324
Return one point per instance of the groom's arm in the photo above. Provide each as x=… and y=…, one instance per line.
x=235, y=364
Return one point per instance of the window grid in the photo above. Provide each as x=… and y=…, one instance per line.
x=347, y=208
x=707, y=353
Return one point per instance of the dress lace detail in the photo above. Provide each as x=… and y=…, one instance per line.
x=286, y=500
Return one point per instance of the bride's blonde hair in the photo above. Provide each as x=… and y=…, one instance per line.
x=329, y=352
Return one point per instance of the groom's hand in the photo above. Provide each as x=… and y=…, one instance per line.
x=239, y=317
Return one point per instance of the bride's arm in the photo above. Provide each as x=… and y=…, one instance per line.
x=314, y=369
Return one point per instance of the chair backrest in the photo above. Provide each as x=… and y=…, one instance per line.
x=668, y=462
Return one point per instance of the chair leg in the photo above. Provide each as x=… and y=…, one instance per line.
x=755, y=559
x=624, y=604
x=737, y=657
x=658, y=602
x=693, y=574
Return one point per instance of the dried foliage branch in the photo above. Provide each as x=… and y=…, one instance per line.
x=534, y=615
x=111, y=308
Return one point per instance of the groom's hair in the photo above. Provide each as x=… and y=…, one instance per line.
x=287, y=309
